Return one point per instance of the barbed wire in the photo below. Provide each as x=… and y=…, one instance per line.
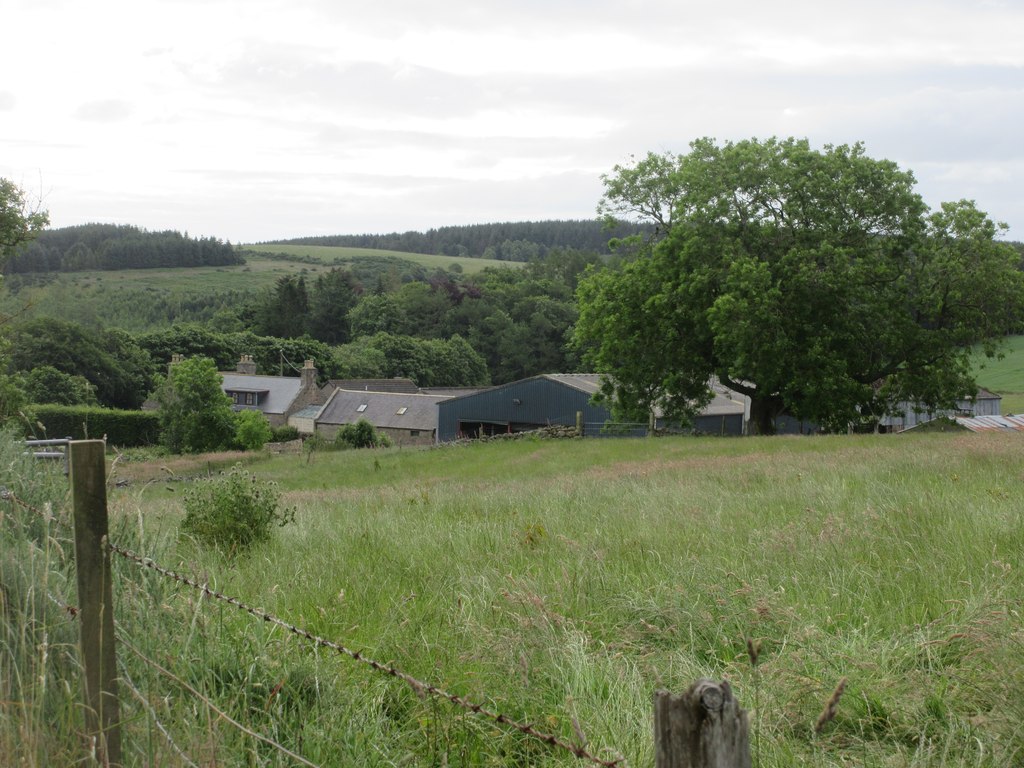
x=418, y=686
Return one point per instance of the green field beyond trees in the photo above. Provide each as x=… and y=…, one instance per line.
x=561, y=581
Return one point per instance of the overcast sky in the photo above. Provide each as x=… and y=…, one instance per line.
x=269, y=119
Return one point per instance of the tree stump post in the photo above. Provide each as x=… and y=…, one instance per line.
x=95, y=599
x=703, y=728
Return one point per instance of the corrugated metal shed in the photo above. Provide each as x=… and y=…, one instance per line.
x=520, y=406
x=555, y=399
x=992, y=423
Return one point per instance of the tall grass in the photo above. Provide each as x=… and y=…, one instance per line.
x=562, y=582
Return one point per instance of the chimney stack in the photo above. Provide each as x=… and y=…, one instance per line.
x=246, y=365
x=309, y=375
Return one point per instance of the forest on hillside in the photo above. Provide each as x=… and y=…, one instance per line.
x=509, y=241
x=117, y=246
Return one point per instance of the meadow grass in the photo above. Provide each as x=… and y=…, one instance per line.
x=1004, y=374
x=339, y=255
x=562, y=581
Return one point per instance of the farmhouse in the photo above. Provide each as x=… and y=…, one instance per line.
x=406, y=418
x=276, y=397
x=563, y=399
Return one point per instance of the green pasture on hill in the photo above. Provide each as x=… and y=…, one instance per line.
x=1004, y=374
x=339, y=256
x=561, y=582
x=144, y=299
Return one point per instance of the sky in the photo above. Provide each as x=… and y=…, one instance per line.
x=270, y=119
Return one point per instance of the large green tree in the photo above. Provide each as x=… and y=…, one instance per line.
x=815, y=282
x=20, y=220
x=120, y=370
x=195, y=414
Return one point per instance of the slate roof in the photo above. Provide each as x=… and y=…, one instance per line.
x=281, y=390
x=374, y=385
x=382, y=409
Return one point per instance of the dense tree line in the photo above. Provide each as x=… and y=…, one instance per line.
x=510, y=241
x=113, y=246
x=517, y=321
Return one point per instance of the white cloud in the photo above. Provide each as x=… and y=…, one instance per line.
x=261, y=119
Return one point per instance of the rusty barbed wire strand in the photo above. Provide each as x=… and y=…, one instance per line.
x=70, y=610
x=8, y=495
x=418, y=686
x=166, y=672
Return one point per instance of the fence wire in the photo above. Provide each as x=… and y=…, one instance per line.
x=420, y=687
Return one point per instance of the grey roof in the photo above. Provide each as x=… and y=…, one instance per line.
x=309, y=412
x=382, y=409
x=281, y=390
x=451, y=391
x=374, y=385
x=992, y=423
x=584, y=382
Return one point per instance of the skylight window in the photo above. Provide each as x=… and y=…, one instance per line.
x=401, y=410
x=361, y=408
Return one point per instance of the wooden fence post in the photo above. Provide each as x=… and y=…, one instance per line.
x=703, y=728
x=95, y=598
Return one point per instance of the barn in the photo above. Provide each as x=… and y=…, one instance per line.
x=556, y=399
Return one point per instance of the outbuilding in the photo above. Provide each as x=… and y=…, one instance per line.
x=405, y=418
x=561, y=399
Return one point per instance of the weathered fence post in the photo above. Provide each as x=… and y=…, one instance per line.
x=703, y=728
x=95, y=599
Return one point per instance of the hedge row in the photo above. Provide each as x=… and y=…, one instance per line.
x=122, y=428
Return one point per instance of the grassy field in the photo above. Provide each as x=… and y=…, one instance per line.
x=565, y=581
x=145, y=299
x=1005, y=375
x=336, y=256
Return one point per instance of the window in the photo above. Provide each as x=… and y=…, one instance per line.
x=414, y=433
x=361, y=408
x=234, y=398
x=401, y=410
x=250, y=398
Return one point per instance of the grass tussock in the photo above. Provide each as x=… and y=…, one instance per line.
x=862, y=594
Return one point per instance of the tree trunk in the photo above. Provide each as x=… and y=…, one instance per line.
x=763, y=412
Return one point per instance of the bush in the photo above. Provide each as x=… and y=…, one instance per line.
x=233, y=512
x=252, y=431
x=360, y=435
x=123, y=428
x=284, y=434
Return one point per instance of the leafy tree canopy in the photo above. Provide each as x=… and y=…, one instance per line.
x=120, y=370
x=195, y=414
x=20, y=221
x=816, y=282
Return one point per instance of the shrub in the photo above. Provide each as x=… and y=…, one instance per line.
x=124, y=428
x=359, y=435
x=233, y=512
x=284, y=434
x=252, y=431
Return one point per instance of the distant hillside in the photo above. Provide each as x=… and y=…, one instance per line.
x=510, y=241
x=112, y=246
